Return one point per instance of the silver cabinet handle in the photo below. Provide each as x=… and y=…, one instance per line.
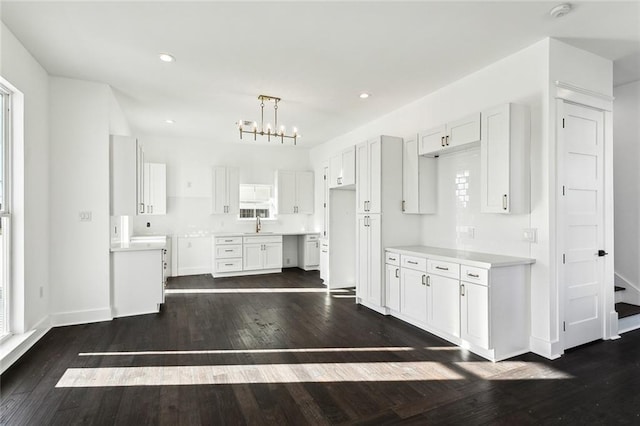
x=228, y=264
x=441, y=268
x=424, y=280
x=403, y=205
x=392, y=258
x=428, y=280
x=228, y=251
x=446, y=139
x=461, y=289
x=397, y=272
x=228, y=241
x=141, y=207
x=504, y=202
x=442, y=141
x=469, y=274
x=412, y=262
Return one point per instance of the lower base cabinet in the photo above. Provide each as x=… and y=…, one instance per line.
x=137, y=279
x=483, y=309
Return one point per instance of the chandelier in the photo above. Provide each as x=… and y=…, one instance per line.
x=251, y=127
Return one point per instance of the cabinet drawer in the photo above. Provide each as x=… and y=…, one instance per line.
x=228, y=240
x=313, y=237
x=229, y=265
x=412, y=262
x=445, y=269
x=474, y=275
x=263, y=239
x=227, y=251
x=392, y=258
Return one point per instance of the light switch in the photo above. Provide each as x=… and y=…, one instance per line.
x=530, y=234
x=85, y=216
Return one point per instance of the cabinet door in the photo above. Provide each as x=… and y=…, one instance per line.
x=410, y=189
x=463, y=131
x=495, y=160
x=140, y=178
x=304, y=192
x=335, y=170
x=375, y=175
x=147, y=197
x=375, y=260
x=158, y=188
x=362, y=182
x=252, y=257
x=123, y=176
x=413, y=294
x=219, y=196
x=286, y=192
x=312, y=253
x=362, y=257
x=233, y=190
x=444, y=304
x=431, y=140
x=474, y=316
x=392, y=281
x=272, y=255
x=324, y=261
x=349, y=166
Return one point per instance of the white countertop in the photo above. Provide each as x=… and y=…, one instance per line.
x=470, y=258
x=263, y=233
x=137, y=246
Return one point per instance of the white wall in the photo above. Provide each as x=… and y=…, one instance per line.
x=80, y=124
x=189, y=163
x=30, y=209
x=626, y=157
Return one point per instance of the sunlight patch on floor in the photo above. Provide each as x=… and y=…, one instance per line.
x=260, y=373
x=249, y=290
x=512, y=370
x=251, y=351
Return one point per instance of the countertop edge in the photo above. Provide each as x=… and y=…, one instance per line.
x=500, y=263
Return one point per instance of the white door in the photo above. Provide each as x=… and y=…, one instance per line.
x=474, y=315
x=581, y=174
x=431, y=140
x=362, y=257
x=252, y=257
x=414, y=294
x=410, y=195
x=272, y=255
x=286, y=192
x=443, y=301
x=362, y=182
x=375, y=176
x=304, y=192
x=392, y=284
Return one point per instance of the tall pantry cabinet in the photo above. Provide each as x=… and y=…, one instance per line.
x=379, y=219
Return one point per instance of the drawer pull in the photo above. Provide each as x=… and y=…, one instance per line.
x=469, y=274
x=441, y=268
x=228, y=241
x=227, y=251
x=412, y=262
x=228, y=264
x=392, y=258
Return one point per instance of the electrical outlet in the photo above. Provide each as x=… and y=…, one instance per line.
x=530, y=234
x=148, y=224
x=288, y=261
x=85, y=216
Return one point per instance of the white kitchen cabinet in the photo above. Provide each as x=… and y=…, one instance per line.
x=474, y=314
x=414, y=294
x=262, y=253
x=295, y=192
x=193, y=255
x=342, y=168
x=392, y=282
x=137, y=281
x=443, y=304
x=450, y=137
x=369, y=260
x=226, y=190
x=155, y=189
x=419, y=179
x=126, y=176
x=309, y=252
x=369, y=171
x=324, y=260
x=504, y=160
x=227, y=255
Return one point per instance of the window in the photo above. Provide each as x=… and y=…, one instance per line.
x=5, y=137
x=256, y=201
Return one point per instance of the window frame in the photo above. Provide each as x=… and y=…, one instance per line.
x=6, y=104
x=271, y=208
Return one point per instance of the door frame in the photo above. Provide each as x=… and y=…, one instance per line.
x=567, y=93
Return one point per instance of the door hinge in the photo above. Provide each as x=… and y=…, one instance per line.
x=564, y=258
x=563, y=123
x=564, y=326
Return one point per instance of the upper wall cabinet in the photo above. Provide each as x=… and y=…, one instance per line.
x=126, y=176
x=226, y=190
x=155, y=189
x=342, y=168
x=294, y=192
x=450, y=137
x=419, y=179
x=504, y=159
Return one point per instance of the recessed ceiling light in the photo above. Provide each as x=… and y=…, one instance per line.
x=169, y=121
x=364, y=95
x=560, y=10
x=165, y=57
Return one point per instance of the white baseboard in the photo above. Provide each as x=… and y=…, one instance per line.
x=17, y=345
x=194, y=270
x=545, y=348
x=628, y=324
x=631, y=294
x=81, y=317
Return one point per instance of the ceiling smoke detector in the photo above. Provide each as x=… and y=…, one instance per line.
x=560, y=10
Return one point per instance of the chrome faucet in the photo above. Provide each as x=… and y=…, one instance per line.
x=258, y=224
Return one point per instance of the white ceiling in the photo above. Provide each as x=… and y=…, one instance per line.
x=316, y=56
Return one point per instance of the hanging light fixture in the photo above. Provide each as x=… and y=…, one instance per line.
x=251, y=127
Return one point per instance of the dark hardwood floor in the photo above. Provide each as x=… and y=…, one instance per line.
x=279, y=350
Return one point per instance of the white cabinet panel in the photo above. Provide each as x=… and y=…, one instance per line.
x=369, y=259
x=362, y=181
x=155, y=189
x=504, y=160
x=432, y=140
x=272, y=255
x=295, y=192
x=392, y=280
x=304, y=192
x=252, y=257
x=126, y=177
x=444, y=304
x=419, y=179
x=312, y=253
x=369, y=170
x=194, y=255
x=451, y=136
x=342, y=168
x=474, y=306
x=226, y=190
x=414, y=294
